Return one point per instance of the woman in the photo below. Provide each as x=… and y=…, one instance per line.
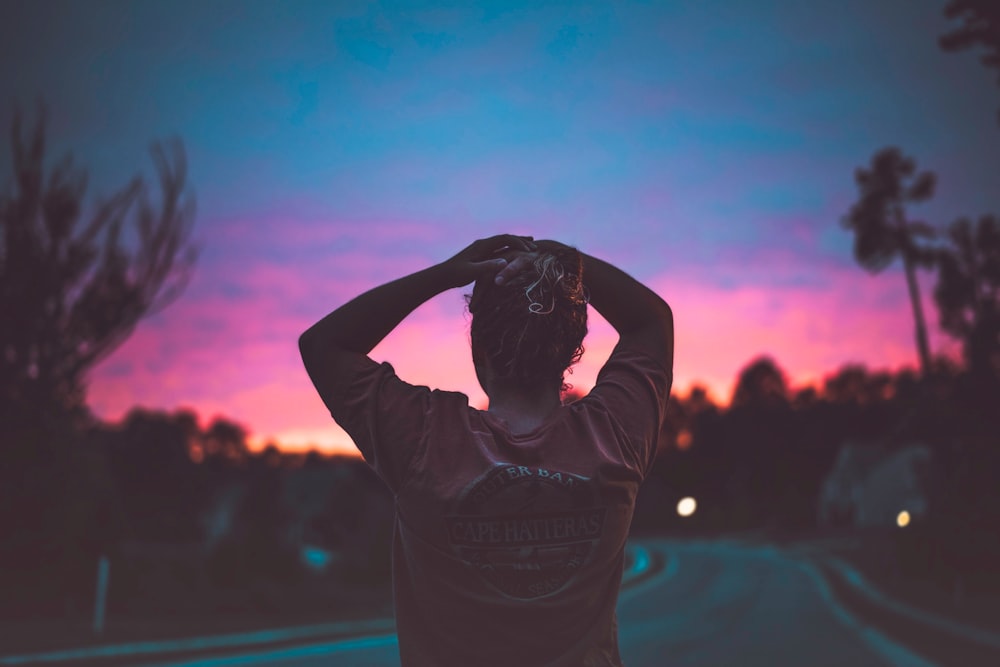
x=511, y=523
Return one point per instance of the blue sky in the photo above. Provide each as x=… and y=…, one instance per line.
x=706, y=147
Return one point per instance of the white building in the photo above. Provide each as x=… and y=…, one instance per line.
x=870, y=485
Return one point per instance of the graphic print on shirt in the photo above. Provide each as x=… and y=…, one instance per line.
x=527, y=530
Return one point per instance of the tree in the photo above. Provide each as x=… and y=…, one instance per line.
x=225, y=443
x=882, y=232
x=761, y=384
x=161, y=491
x=968, y=289
x=698, y=400
x=853, y=383
x=968, y=293
x=73, y=287
x=980, y=27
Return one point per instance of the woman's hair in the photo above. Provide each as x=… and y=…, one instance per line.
x=530, y=330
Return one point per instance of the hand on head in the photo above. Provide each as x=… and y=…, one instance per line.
x=498, y=255
x=518, y=261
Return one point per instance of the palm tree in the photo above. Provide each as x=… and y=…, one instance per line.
x=882, y=232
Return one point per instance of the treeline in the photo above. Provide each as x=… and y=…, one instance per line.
x=189, y=517
x=761, y=465
x=760, y=462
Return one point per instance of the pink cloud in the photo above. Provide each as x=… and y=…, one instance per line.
x=810, y=331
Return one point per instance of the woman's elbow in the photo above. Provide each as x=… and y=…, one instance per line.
x=308, y=344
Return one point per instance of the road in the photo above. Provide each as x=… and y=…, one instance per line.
x=725, y=604
x=713, y=604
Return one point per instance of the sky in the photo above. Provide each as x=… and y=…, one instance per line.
x=707, y=148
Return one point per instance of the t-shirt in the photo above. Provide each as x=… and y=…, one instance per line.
x=508, y=549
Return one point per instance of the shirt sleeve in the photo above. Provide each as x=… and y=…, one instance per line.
x=385, y=417
x=634, y=389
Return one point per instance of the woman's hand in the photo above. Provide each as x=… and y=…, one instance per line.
x=519, y=261
x=496, y=256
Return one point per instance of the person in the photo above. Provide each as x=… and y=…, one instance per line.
x=511, y=522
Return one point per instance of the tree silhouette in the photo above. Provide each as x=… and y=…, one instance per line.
x=853, y=383
x=161, y=492
x=882, y=232
x=72, y=289
x=698, y=400
x=968, y=293
x=225, y=442
x=761, y=384
x=980, y=27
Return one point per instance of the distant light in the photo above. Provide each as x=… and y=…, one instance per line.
x=684, y=439
x=316, y=558
x=687, y=506
x=903, y=519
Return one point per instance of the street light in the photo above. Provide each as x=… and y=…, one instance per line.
x=903, y=519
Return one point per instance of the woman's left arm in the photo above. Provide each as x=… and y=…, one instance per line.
x=360, y=324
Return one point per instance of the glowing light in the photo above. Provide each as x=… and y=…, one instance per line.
x=687, y=506
x=684, y=439
x=316, y=558
x=903, y=519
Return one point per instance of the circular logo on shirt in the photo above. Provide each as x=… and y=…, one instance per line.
x=527, y=530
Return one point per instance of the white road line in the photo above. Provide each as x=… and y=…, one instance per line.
x=376, y=626
x=310, y=650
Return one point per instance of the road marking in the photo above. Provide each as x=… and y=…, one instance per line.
x=371, y=627
x=310, y=650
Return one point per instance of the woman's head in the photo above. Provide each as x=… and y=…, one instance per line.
x=527, y=332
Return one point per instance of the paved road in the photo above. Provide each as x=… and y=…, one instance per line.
x=726, y=604
x=715, y=604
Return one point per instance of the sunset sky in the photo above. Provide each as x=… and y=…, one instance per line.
x=707, y=148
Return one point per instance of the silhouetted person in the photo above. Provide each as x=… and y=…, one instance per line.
x=511, y=523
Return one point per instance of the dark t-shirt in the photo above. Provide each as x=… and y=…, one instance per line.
x=508, y=548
